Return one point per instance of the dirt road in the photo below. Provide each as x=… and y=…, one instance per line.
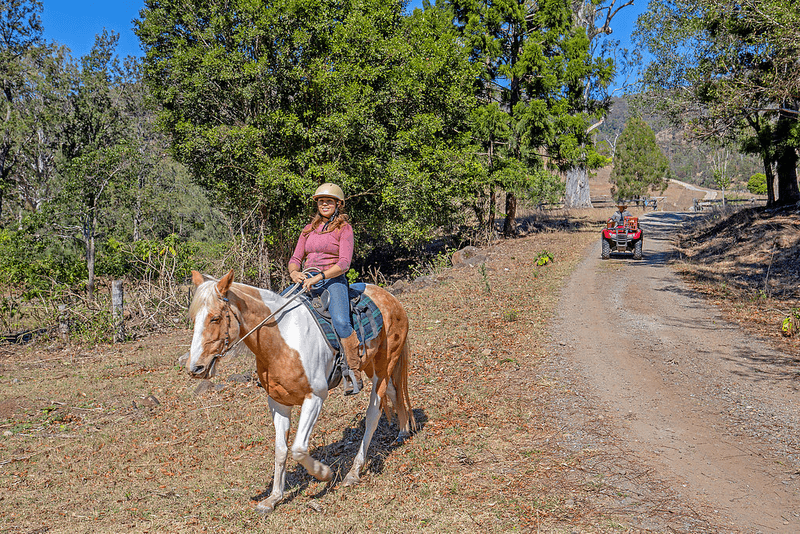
x=705, y=409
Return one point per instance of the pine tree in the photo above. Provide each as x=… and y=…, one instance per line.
x=639, y=164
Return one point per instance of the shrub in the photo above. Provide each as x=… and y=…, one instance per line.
x=757, y=184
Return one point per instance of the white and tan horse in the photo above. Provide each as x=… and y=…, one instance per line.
x=293, y=361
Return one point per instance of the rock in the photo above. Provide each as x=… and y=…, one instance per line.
x=242, y=378
x=422, y=281
x=398, y=287
x=202, y=388
x=183, y=358
x=468, y=255
x=150, y=401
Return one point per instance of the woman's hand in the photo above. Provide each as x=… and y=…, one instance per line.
x=297, y=277
x=312, y=281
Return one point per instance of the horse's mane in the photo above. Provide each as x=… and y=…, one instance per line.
x=206, y=293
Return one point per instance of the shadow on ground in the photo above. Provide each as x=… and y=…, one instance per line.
x=339, y=457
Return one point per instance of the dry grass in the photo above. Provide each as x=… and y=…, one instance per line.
x=748, y=263
x=86, y=449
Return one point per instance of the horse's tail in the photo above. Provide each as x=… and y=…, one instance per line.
x=405, y=413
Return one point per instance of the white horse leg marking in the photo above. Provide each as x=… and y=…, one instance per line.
x=309, y=413
x=281, y=419
x=373, y=415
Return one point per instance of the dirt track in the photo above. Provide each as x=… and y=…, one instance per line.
x=708, y=413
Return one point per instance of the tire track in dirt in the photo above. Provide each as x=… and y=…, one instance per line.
x=697, y=400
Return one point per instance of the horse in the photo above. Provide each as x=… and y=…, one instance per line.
x=293, y=362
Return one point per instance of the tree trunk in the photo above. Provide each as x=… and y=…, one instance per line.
x=770, y=179
x=577, y=194
x=510, y=223
x=492, y=211
x=90, y=253
x=263, y=252
x=788, y=193
x=137, y=210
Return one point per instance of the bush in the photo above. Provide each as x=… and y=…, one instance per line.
x=757, y=184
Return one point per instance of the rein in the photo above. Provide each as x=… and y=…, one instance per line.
x=259, y=325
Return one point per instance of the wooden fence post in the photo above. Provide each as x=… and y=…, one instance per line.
x=117, y=311
x=63, y=324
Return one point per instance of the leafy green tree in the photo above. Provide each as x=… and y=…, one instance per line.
x=639, y=164
x=41, y=112
x=263, y=102
x=536, y=63
x=596, y=18
x=757, y=184
x=96, y=149
x=20, y=44
x=730, y=71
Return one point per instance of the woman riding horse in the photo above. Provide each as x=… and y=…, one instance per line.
x=326, y=244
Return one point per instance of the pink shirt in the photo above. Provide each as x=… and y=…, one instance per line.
x=324, y=250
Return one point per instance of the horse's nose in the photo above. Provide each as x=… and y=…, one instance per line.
x=198, y=369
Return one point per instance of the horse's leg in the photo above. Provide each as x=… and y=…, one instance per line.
x=281, y=419
x=402, y=414
x=373, y=415
x=308, y=418
x=397, y=391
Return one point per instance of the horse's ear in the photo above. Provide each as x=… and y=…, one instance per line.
x=197, y=278
x=224, y=284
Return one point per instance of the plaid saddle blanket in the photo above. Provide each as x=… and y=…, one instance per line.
x=366, y=318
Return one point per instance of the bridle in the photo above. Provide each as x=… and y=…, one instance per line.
x=225, y=350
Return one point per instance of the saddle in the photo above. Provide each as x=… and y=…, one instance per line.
x=365, y=316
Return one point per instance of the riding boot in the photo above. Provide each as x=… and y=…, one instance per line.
x=350, y=349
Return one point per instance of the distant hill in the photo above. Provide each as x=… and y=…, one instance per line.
x=691, y=161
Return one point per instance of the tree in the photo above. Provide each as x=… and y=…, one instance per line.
x=596, y=100
x=639, y=165
x=535, y=63
x=722, y=177
x=41, y=112
x=20, y=41
x=262, y=102
x=95, y=146
x=757, y=184
x=729, y=70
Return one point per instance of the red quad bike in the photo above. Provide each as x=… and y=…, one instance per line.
x=626, y=237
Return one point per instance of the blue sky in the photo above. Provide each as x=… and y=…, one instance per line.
x=75, y=23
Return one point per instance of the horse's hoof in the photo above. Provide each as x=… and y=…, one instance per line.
x=402, y=437
x=326, y=475
x=350, y=480
x=265, y=507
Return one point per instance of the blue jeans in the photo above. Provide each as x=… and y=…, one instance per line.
x=339, y=306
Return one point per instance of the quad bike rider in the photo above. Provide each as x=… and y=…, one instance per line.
x=622, y=233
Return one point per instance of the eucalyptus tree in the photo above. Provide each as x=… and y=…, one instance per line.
x=262, y=102
x=535, y=62
x=596, y=17
x=96, y=148
x=730, y=70
x=20, y=43
x=41, y=112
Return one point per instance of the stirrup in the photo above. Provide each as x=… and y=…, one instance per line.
x=350, y=378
